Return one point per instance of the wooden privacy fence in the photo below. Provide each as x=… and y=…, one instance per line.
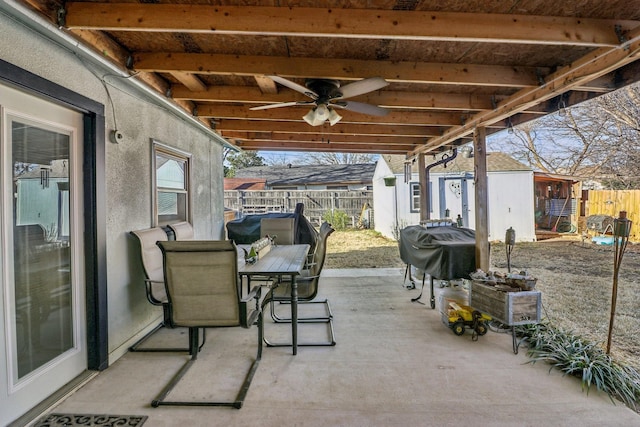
x=354, y=203
x=611, y=202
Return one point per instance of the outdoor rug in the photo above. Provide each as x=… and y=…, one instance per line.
x=52, y=420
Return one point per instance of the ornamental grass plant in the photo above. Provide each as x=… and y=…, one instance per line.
x=576, y=356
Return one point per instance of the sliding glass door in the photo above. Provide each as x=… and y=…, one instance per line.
x=43, y=313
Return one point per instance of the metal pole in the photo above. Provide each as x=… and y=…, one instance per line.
x=509, y=242
x=621, y=231
x=395, y=203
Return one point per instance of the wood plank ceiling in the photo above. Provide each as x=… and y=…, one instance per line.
x=451, y=66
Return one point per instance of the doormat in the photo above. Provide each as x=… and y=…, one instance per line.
x=70, y=420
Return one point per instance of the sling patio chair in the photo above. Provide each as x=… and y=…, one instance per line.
x=307, y=291
x=281, y=230
x=182, y=230
x=203, y=288
x=151, y=258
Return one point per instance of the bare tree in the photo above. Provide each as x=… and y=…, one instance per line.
x=281, y=159
x=338, y=158
x=243, y=159
x=599, y=139
x=623, y=107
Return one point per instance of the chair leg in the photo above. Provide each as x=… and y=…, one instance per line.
x=320, y=319
x=166, y=322
x=328, y=320
x=194, y=341
x=136, y=347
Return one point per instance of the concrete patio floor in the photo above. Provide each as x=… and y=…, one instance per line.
x=395, y=364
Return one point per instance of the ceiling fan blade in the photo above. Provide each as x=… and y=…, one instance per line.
x=361, y=107
x=281, y=104
x=363, y=86
x=295, y=86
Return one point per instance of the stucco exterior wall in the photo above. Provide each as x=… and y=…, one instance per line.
x=128, y=169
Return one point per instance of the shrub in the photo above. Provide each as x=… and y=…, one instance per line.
x=339, y=219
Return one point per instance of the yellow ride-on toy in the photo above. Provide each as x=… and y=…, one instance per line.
x=463, y=316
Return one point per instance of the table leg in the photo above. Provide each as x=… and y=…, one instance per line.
x=433, y=297
x=294, y=314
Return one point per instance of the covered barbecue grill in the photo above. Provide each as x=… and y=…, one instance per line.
x=444, y=253
x=246, y=230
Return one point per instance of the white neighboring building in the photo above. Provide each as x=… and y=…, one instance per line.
x=452, y=192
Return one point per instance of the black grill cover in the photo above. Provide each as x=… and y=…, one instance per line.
x=247, y=230
x=445, y=253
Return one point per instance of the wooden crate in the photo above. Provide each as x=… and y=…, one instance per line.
x=510, y=308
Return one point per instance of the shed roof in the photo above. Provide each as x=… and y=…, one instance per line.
x=244, y=184
x=496, y=162
x=311, y=174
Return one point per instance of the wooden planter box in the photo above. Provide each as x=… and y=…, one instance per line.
x=510, y=308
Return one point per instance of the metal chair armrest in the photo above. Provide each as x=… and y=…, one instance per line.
x=248, y=318
x=149, y=291
x=255, y=293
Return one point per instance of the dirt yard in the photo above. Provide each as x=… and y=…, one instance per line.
x=575, y=279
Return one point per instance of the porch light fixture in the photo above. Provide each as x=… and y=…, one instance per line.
x=562, y=111
x=510, y=127
x=320, y=114
x=467, y=151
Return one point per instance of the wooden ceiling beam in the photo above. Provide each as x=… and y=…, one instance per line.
x=190, y=80
x=222, y=125
x=266, y=84
x=295, y=114
x=591, y=66
x=344, y=22
x=326, y=146
x=340, y=69
x=292, y=137
x=110, y=50
x=387, y=99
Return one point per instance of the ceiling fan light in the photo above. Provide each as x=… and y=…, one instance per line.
x=322, y=112
x=334, y=117
x=319, y=120
x=310, y=117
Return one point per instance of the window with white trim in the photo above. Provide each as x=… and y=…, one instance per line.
x=171, y=182
x=414, y=193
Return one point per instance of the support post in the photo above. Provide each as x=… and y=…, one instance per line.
x=424, y=189
x=481, y=198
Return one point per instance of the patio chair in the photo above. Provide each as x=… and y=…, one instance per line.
x=151, y=258
x=203, y=289
x=307, y=291
x=182, y=230
x=283, y=228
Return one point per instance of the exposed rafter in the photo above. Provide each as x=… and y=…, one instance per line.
x=450, y=70
x=351, y=23
x=594, y=65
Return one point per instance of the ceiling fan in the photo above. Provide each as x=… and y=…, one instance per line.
x=327, y=95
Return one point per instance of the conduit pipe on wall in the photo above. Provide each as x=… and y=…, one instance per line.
x=37, y=23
